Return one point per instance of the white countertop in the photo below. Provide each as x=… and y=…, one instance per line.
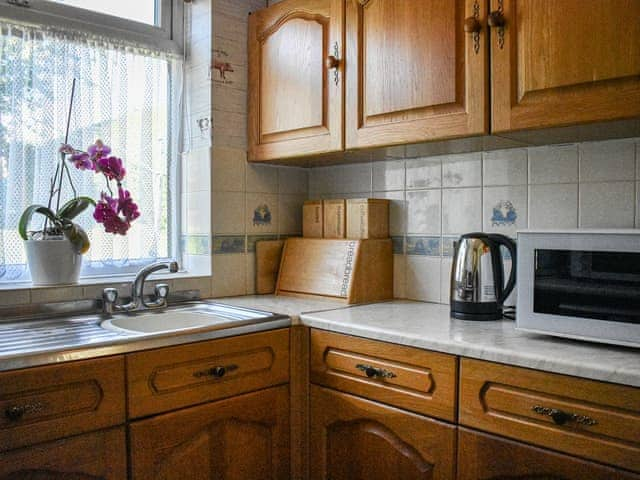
x=291, y=306
x=429, y=326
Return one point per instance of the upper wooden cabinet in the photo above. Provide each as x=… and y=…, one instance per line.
x=296, y=79
x=421, y=70
x=413, y=73
x=561, y=62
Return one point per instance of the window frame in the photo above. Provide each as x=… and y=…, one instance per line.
x=167, y=36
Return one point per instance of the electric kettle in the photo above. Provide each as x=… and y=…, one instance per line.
x=477, y=276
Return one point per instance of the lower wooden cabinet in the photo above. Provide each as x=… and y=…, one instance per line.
x=243, y=437
x=356, y=439
x=99, y=455
x=487, y=457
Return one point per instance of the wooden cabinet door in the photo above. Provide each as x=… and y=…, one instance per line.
x=486, y=457
x=92, y=456
x=239, y=438
x=356, y=439
x=295, y=94
x=560, y=62
x=413, y=73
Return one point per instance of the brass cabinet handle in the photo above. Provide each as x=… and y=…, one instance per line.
x=560, y=417
x=496, y=19
x=472, y=25
x=374, y=372
x=16, y=412
x=218, y=371
x=332, y=62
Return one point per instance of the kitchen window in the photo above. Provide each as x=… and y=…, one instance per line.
x=127, y=63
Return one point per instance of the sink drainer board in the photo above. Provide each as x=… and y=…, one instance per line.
x=355, y=271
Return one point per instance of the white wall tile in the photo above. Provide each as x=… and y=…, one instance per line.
x=55, y=294
x=424, y=211
x=607, y=161
x=504, y=209
x=197, y=219
x=423, y=278
x=388, y=175
x=354, y=178
x=553, y=206
x=259, y=205
x=228, y=212
x=397, y=211
x=553, y=164
x=637, y=204
x=290, y=214
x=505, y=167
x=423, y=173
x=607, y=205
x=399, y=276
x=463, y=170
x=461, y=210
x=250, y=274
x=14, y=297
x=197, y=168
x=445, y=280
x=229, y=275
x=228, y=169
x=262, y=178
x=293, y=180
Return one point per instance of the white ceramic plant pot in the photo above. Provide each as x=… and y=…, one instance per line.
x=53, y=261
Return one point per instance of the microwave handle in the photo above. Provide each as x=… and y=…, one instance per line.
x=511, y=246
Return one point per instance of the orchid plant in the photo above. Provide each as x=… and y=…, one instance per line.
x=115, y=213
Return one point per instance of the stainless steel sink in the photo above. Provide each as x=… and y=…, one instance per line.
x=195, y=317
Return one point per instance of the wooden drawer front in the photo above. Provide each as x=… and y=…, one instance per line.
x=519, y=403
x=170, y=378
x=93, y=456
x=46, y=403
x=424, y=382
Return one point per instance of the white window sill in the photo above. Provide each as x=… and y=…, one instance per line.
x=106, y=280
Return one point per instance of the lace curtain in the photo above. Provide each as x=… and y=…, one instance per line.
x=129, y=98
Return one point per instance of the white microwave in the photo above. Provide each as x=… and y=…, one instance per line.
x=582, y=284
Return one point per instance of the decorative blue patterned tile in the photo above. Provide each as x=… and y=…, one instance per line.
x=447, y=245
x=196, y=244
x=398, y=245
x=429, y=246
x=223, y=244
x=252, y=239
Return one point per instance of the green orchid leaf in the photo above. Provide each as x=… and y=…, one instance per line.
x=75, y=207
x=77, y=236
x=25, y=219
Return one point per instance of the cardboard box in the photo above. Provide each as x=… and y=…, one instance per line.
x=334, y=218
x=312, y=219
x=367, y=218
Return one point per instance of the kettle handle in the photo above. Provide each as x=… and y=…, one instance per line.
x=511, y=246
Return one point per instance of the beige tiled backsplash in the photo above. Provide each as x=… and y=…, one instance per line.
x=578, y=185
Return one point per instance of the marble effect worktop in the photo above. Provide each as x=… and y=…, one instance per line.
x=429, y=326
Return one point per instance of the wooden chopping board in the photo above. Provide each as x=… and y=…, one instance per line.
x=268, y=253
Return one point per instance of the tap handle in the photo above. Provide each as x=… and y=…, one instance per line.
x=110, y=295
x=109, y=299
x=162, y=291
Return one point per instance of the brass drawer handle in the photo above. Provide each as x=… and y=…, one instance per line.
x=16, y=412
x=218, y=371
x=560, y=417
x=374, y=372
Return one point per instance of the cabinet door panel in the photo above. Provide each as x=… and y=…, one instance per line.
x=413, y=74
x=92, y=456
x=295, y=100
x=357, y=439
x=235, y=439
x=493, y=458
x=558, y=62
